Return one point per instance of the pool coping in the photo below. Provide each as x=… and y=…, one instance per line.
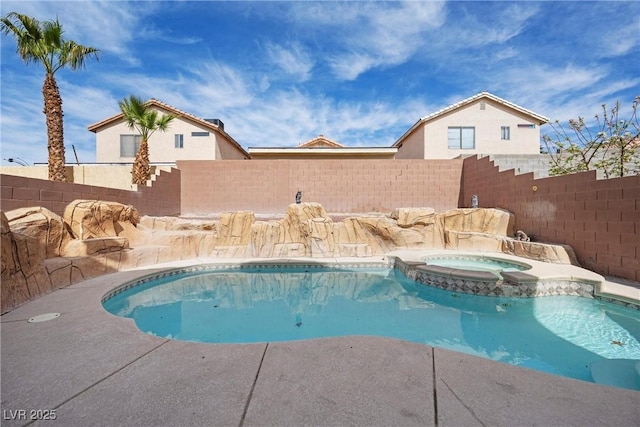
x=540, y=280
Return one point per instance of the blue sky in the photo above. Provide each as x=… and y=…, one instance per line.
x=359, y=72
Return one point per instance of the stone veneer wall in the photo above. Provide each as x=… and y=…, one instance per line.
x=161, y=198
x=599, y=219
x=353, y=185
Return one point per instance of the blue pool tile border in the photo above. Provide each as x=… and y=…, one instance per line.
x=453, y=280
x=236, y=266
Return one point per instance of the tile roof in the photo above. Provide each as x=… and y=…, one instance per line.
x=320, y=141
x=487, y=95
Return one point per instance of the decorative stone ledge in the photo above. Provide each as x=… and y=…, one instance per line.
x=532, y=286
x=457, y=280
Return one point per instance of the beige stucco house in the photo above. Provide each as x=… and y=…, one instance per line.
x=187, y=138
x=322, y=148
x=482, y=124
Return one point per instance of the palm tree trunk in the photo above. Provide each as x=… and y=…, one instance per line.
x=141, y=172
x=55, y=135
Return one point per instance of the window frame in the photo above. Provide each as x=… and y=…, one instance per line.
x=199, y=134
x=178, y=140
x=505, y=133
x=461, y=137
x=137, y=140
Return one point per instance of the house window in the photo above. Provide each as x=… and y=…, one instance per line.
x=179, y=141
x=199, y=133
x=505, y=133
x=461, y=138
x=129, y=145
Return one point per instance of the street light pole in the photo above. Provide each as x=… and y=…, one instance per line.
x=17, y=160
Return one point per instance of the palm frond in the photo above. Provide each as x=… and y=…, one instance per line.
x=138, y=115
x=75, y=55
x=43, y=42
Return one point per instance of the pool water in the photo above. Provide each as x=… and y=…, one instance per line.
x=477, y=264
x=561, y=335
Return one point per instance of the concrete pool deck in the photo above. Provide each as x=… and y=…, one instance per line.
x=93, y=368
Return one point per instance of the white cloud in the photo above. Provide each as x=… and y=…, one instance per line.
x=22, y=123
x=505, y=53
x=86, y=103
x=369, y=34
x=167, y=36
x=472, y=26
x=290, y=117
x=214, y=84
x=548, y=80
x=293, y=87
x=24, y=132
x=109, y=26
x=510, y=23
x=588, y=103
x=348, y=66
x=621, y=41
x=295, y=60
x=564, y=92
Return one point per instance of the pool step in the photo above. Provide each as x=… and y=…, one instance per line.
x=619, y=290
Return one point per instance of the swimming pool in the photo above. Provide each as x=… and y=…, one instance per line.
x=562, y=335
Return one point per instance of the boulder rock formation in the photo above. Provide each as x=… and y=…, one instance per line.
x=41, y=251
x=408, y=217
x=558, y=254
x=88, y=247
x=472, y=241
x=46, y=227
x=480, y=220
x=93, y=218
x=23, y=275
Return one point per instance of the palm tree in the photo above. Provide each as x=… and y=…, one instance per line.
x=42, y=42
x=146, y=121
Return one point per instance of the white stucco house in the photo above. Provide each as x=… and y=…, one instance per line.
x=482, y=124
x=187, y=138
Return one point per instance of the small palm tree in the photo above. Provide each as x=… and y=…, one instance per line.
x=146, y=121
x=42, y=42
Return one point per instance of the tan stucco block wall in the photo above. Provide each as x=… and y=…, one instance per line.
x=161, y=198
x=38, y=172
x=351, y=185
x=108, y=176
x=598, y=218
x=103, y=176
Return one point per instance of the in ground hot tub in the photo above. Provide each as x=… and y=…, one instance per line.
x=476, y=263
x=472, y=274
